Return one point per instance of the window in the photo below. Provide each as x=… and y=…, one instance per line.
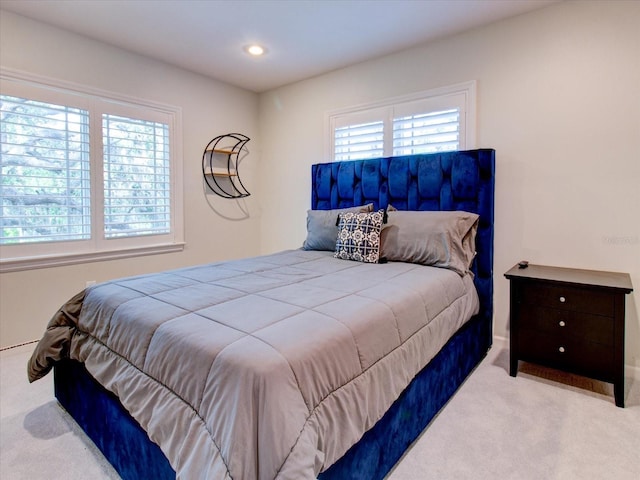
x=85, y=176
x=136, y=166
x=44, y=179
x=428, y=122
x=427, y=132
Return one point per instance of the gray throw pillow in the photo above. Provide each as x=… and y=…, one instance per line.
x=322, y=227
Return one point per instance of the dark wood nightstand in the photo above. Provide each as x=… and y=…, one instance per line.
x=569, y=319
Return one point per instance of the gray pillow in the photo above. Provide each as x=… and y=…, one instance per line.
x=322, y=228
x=440, y=238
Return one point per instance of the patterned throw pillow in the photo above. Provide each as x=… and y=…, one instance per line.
x=359, y=236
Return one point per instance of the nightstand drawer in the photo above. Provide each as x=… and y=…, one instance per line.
x=569, y=325
x=569, y=298
x=587, y=358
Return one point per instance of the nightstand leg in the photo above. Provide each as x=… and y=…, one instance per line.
x=513, y=366
x=618, y=392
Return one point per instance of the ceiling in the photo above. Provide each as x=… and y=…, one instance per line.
x=304, y=38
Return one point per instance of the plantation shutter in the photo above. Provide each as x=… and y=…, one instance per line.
x=359, y=135
x=137, y=190
x=437, y=120
x=44, y=172
x=365, y=140
x=427, y=132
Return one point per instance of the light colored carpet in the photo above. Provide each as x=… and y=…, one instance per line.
x=543, y=424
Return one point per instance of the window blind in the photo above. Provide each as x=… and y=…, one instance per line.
x=137, y=193
x=365, y=140
x=441, y=119
x=44, y=172
x=427, y=132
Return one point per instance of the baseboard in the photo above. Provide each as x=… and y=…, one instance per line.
x=500, y=339
x=633, y=372
x=9, y=347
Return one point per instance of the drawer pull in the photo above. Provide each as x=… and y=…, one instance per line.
x=562, y=299
x=561, y=323
x=561, y=349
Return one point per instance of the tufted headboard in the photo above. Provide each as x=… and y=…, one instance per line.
x=461, y=180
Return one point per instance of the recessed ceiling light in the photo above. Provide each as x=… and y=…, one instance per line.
x=255, y=50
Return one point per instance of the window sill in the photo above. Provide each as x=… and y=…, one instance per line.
x=48, y=261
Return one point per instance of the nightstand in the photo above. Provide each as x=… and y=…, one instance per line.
x=569, y=319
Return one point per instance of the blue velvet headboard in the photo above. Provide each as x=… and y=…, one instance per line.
x=462, y=180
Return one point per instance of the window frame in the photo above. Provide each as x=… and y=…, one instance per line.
x=18, y=257
x=461, y=94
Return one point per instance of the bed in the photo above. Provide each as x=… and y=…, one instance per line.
x=385, y=342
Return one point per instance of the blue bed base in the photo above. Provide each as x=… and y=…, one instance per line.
x=447, y=181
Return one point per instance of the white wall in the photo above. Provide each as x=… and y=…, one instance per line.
x=558, y=98
x=215, y=228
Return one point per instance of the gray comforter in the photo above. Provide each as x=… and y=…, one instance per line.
x=265, y=368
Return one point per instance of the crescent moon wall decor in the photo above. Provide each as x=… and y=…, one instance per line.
x=220, y=162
